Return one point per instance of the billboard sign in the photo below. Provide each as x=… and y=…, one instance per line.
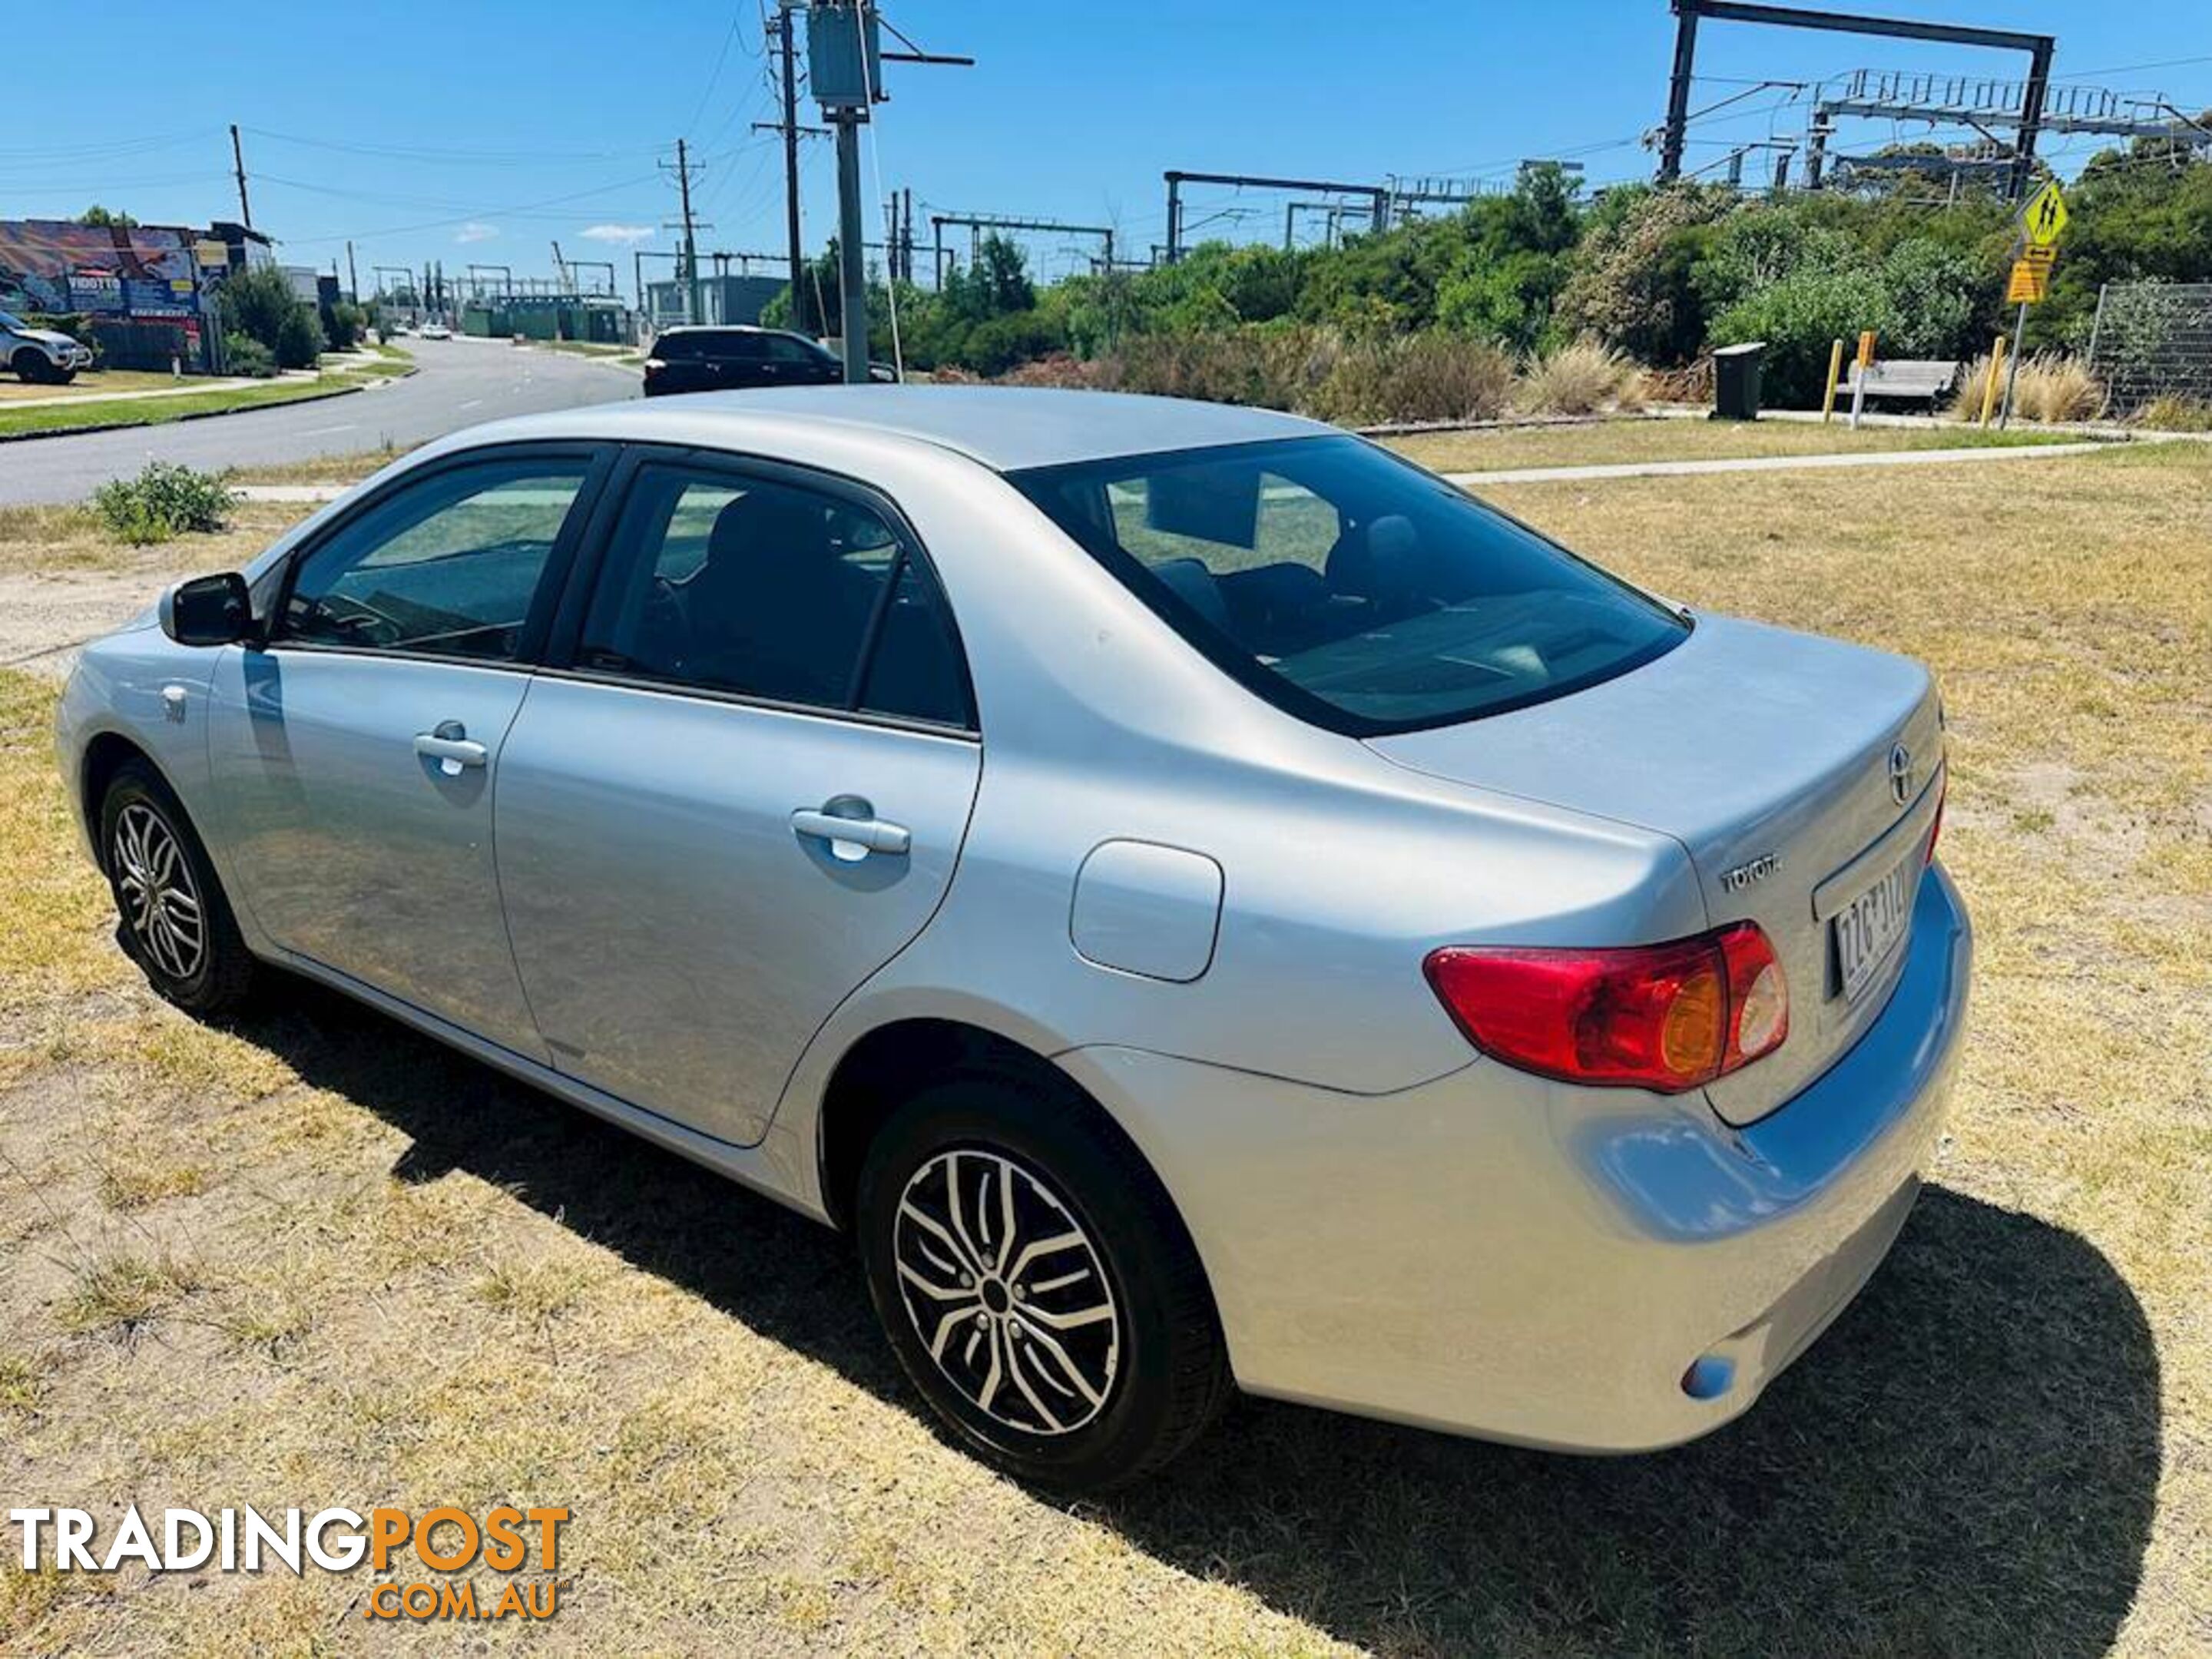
x=113, y=270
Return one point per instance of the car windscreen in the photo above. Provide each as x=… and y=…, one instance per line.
x=1350, y=586
x=8, y=319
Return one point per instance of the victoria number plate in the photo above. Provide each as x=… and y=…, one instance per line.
x=1867, y=928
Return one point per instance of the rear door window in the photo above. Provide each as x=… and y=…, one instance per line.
x=1349, y=585
x=723, y=580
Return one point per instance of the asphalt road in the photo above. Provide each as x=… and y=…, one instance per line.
x=459, y=383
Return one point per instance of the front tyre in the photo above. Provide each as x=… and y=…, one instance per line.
x=176, y=922
x=1037, y=1284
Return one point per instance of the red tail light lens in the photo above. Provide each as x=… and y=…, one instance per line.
x=1668, y=1017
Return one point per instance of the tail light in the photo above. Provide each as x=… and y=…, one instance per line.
x=1668, y=1017
x=1935, y=828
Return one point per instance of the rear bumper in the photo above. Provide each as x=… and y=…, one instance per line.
x=1591, y=1270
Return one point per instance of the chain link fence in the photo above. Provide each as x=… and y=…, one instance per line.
x=2153, y=340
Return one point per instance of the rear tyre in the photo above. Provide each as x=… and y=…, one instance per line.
x=1037, y=1284
x=176, y=923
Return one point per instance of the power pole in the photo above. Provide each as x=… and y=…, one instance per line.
x=852, y=270
x=844, y=71
x=353, y=276
x=791, y=166
x=690, y=274
x=237, y=161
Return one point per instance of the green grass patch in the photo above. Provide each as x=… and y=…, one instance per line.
x=155, y=411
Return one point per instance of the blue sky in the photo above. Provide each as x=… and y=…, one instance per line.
x=483, y=132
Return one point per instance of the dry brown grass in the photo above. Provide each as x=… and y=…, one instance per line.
x=2051, y=386
x=1585, y=378
x=321, y=469
x=407, y=1280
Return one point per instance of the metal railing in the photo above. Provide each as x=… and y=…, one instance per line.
x=2153, y=340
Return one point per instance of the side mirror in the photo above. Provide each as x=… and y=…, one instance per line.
x=209, y=610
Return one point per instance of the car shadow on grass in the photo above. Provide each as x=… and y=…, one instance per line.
x=1967, y=1463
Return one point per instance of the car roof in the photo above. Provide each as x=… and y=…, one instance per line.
x=729, y=328
x=1007, y=429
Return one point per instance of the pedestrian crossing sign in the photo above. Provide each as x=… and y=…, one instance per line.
x=2043, y=217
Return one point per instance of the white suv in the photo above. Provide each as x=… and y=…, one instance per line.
x=40, y=356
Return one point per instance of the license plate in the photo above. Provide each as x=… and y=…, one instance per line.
x=1867, y=928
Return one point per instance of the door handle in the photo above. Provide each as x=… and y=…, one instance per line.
x=450, y=746
x=851, y=838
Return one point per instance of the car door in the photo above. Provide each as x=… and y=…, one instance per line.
x=356, y=753
x=742, y=362
x=798, y=363
x=738, y=792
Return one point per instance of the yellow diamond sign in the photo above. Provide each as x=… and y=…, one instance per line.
x=2043, y=217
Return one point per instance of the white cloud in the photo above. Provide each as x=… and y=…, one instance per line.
x=619, y=232
x=474, y=232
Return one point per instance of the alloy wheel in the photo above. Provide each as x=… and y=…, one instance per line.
x=1007, y=1291
x=160, y=902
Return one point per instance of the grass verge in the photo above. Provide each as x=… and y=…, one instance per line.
x=1673, y=439
x=155, y=411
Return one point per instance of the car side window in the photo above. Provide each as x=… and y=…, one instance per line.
x=729, y=582
x=782, y=349
x=449, y=567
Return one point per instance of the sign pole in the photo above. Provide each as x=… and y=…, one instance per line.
x=2012, y=369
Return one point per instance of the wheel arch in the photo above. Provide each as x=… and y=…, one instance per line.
x=885, y=1066
x=104, y=755
x=889, y=1064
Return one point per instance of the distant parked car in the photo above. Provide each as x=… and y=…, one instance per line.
x=436, y=331
x=741, y=359
x=1205, y=902
x=40, y=356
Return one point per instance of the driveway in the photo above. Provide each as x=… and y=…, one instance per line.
x=461, y=382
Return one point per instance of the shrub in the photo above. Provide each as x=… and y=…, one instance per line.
x=1269, y=367
x=1692, y=383
x=2053, y=387
x=1416, y=377
x=345, y=325
x=1631, y=283
x=246, y=355
x=260, y=303
x=1582, y=379
x=1966, y=396
x=299, y=339
x=2172, y=412
x=1800, y=318
x=2049, y=387
x=163, y=502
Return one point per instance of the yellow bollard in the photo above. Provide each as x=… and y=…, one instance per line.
x=1996, y=374
x=1835, y=368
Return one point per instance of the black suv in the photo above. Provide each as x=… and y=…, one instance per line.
x=740, y=359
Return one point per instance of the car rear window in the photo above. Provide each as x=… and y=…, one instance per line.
x=1350, y=586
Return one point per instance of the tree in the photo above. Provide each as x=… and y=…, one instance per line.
x=260, y=303
x=103, y=217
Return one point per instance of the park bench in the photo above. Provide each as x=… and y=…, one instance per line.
x=1916, y=378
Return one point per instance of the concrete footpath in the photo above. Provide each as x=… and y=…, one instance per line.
x=1777, y=463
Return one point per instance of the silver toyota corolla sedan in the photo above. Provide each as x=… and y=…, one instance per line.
x=1207, y=904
